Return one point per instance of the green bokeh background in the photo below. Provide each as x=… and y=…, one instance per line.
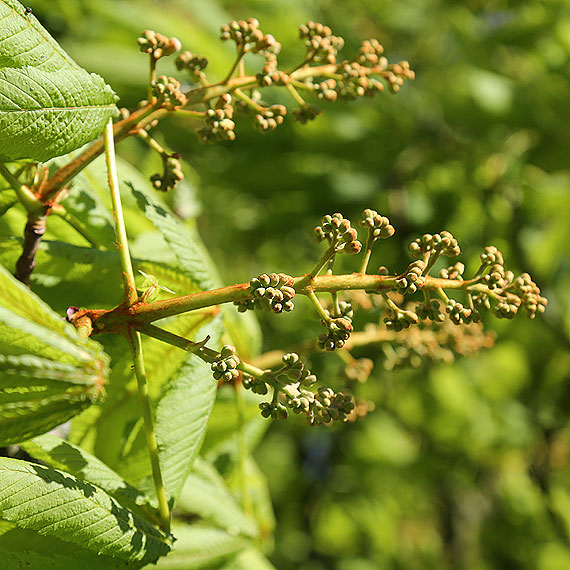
x=461, y=465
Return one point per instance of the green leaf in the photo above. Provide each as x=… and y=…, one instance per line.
x=67, y=274
x=249, y=559
x=182, y=391
x=182, y=417
x=48, y=373
x=48, y=104
x=205, y=494
x=201, y=547
x=185, y=243
x=55, y=503
x=60, y=454
x=7, y=200
x=222, y=438
x=258, y=490
x=24, y=548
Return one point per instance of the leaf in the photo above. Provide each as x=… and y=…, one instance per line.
x=24, y=548
x=55, y=503
x=48, y=373
x=198, y=546
x=182, y=417
x=249, y=559
x=60, y=454
x=182, y=391
x=222, y=439
x=7, y=200
x=205, y=494
x=48, y=104
x=67, y=274
x=258, y=490
x=185, y=244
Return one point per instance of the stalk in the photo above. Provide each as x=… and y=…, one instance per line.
x=150, y=435
x=133, y=336
x=131, y=295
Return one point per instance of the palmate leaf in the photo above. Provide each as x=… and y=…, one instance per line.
x=206, y=495
x=185, y=243
x=47, y=373
x=202, y=547
x=61, y=454
x=249, y=559
x=56, y=504
x=25, y=548
x=49, y=105
x=182, y=391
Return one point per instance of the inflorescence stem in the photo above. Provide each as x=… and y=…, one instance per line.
x=142, y=314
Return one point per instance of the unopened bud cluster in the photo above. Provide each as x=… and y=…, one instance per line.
x=273, y=292
x=356, y=82
x=459, y=314
x=431, y=310
x=321, y=408
x=224, y=368
x=365, y=74
x=530, y=296
x=157, y=45
x=338, y=332
x=498, y=277
x=248, y=37
x=443, y=243
x=270, y=74
x=295, y=370
x=491, y=256
x=414, y=277
x=370, y=54
x=171, y=175
x=271, y=118
x=344, y=310
x=256, y=385
x=324, y=407
x=378, y=226
x=454, y=271
x=219, y=123
x=193, y=63
x=321, y=44
x=399, y=320
x=339, y=233
x=167, y=92
x=396, y=74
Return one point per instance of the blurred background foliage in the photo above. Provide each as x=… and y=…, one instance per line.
x=460, y=465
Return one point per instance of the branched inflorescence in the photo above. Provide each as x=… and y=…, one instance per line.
x=290, y=385
x=426, y=324
x=320, y=73
x=412, y=300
